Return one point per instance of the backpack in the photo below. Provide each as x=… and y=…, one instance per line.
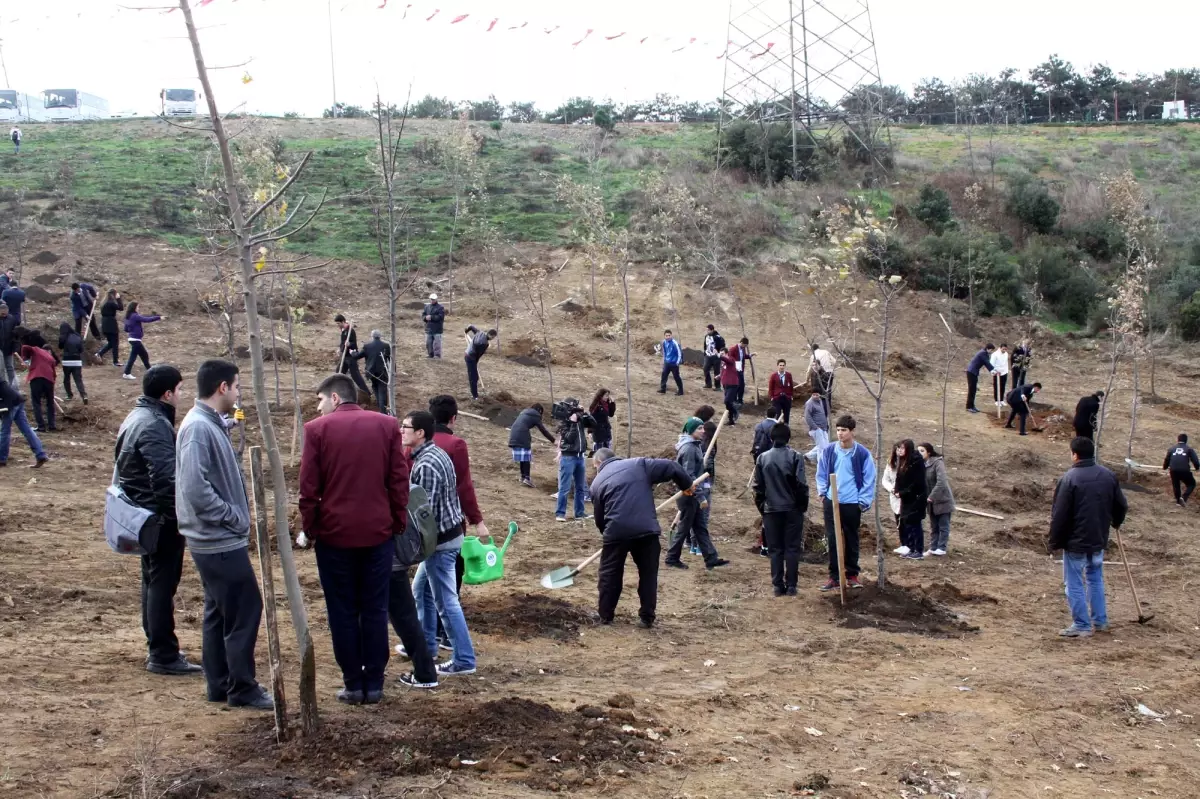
x=419, y=539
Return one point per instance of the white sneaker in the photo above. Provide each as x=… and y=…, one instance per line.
x=400, y=650
x=928, y=552
x=941, y=553
x=129, y=377
x=901, y=550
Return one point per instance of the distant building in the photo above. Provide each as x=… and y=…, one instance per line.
x=1176, y=109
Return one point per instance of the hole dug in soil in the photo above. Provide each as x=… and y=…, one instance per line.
x=525, y=616
x=899, y=610
x=508, y=739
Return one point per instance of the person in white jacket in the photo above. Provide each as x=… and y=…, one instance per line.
x=1000, y=366
x=888, y=480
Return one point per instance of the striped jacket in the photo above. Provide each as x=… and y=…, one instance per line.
x=434, y=472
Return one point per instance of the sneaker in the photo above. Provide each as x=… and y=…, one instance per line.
x=791, y=591
x=348, y=697
x=780, y=591
x=560, y=518
x=372, y=697
x=679, y=393
x=410, y=681
x=901, y=550
x=448, y=669
x=179, y=667
x=129, y=377
x=402, y=652
x=662, y=391
x=1180, y=503
x=644, y=624
x=716, y=563
x=525, y=481
x=1075, y=632
x=85, y=400
x=695, y=550
x=853, y=582
x=1102, y=628
x=675, y=564
x=972, y=410
x=941, y=553
x=584, y=517
x=913, y=556
x=764, y=551
x=831, y=585
x=40, y=462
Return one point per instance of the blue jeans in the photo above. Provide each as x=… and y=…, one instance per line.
x=356, y=582
x=572, y=470
x=939, y=530
x=17, y=415
x=1084, y=576
x=433, y=591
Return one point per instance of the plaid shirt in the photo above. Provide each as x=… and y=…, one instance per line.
x=433, y=471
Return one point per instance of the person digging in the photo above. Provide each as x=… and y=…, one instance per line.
x=1018, y=403
x=693, y=522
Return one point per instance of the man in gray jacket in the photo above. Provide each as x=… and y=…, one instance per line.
x=816, y=419
x=214, y=518
x=693, y=522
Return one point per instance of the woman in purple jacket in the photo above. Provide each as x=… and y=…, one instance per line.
x=133, y=329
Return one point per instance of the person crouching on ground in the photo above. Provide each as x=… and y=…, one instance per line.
x=855, y=471
x=781, y=495
x=1087, y=502
x=623, y=499
x=520, y=439
x=1018, y=402
x=941, y=500
x=692, y=519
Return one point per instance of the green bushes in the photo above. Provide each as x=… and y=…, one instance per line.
x=1031, y=203
x=765, y=153
x=1189, y=319
x=1100, y=238
x=1069, y=288
x=933, y=208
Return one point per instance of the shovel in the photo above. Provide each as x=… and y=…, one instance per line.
x=564, y=576
x=1142, y=617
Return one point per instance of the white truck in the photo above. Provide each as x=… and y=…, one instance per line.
x=179, y=102
x=18, y=106
x=69, y=105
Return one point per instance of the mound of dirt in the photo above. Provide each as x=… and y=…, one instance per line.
x=509, y=739
x=45, y=258
x=1022, y=536
x=899, y=610
x=693, y=357
x=269, y=352
x=525, y=616
x=525, y=352
x=36, y=293
x=1029, y=495
x=497, y=412
x=900, y=364
x=948, y=592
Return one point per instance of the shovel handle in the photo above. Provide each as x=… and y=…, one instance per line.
x=679, y=494
x=587, y=562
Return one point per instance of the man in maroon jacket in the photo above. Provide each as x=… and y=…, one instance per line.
x=445, y=414
x=353, y=499
x=780, y=390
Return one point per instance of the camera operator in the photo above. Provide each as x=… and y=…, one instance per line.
x=573, y=421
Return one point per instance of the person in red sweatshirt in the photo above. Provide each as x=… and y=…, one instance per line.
x=729, y=382
x=353, y=498
x=42, y=376
x=445, y=414
x=779, y=391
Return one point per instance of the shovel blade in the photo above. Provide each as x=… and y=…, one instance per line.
x=559, y=578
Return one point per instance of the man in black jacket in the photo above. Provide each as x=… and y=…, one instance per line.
x=713, y=344
x=70, y=343
x=1018, y=403
x=520, y=439
x=1180, y=461
x=693, y=521
x=1087, y=412
x=145, y=466
x=434, y=315
x=623, y=498
x=572, y=461
x=477, y=346
x=1087, y=501
x=348, y=352
x=378, y=358
x=781, y=494
x=982, y=360
x=113, y=304
x=8, y=342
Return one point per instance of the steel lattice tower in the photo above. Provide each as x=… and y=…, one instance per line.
x=813, y=64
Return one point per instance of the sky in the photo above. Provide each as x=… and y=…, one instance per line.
x=283, y=46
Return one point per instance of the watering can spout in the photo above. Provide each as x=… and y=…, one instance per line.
x=512, y=530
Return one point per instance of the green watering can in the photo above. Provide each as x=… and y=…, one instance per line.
x=482, y=562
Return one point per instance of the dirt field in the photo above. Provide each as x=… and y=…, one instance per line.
x=952, y=682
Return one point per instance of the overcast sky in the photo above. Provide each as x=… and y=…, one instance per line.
x=127, y=56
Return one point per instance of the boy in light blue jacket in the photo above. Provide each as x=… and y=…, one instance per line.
x=672, y=357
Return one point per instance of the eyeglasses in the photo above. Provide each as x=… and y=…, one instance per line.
x=407, y=427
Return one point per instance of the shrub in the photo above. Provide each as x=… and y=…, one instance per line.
x=1068, y=287
x=496, y=125
x=1031, y=203
x=1100, y=238
x=1189, y=319
x=427, y=151
x=742, y=147
x=542, y=154
x=605, y=119
x=166, y=213
x=933, y=208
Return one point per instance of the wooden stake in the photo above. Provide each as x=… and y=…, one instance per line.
x=268, y=590
x=996, y=384
x=978, y=513
x=839, y=536
x=87, y=328
x=474, y=416
x=295, y=435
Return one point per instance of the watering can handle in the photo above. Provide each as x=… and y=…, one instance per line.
x=512, y=530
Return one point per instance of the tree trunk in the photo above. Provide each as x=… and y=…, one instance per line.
x=274, y=343
x=880, y=560
x=298, y=416
x=453, y=231
x=592, y=256
x=1112, y=376
x=628, y=353
x=1133, y=414
x=496, y=303
x=309, y=720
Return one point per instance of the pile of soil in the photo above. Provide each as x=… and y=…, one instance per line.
x=948, y=592
x=1029, y=495
x=498, y=412
x=899, y=610
x=1182, y=411
x=1022, y=536
x=512, y=739
x=45, y=258
x=525, y=616
x=525, y=352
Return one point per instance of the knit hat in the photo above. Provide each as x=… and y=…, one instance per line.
x=691, y=425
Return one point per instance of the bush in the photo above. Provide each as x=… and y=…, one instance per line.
x=1068, y=287
x=1100, y=238
x=933, y=208
x=427, y=151
x=998, y=285
x=291, y=115
x=605, y=119
x=543, y=154
x=1031, y=203
x=430, y=107
x=496, y=125
x=1189, y=319
x=742, y=147
x=166, y=213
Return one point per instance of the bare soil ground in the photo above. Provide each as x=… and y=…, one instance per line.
x=952, y=681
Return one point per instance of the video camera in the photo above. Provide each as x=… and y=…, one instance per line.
x=562, y=411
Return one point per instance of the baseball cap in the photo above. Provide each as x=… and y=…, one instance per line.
x=433, y=296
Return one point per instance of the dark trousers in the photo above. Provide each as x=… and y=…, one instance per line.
x=402, y=610
x=112, y=344
x=1019, y=409
x=645, y=551
x=350, y=367
x=92, y=328
x=972, y=389
x=783, y=534
x=473, y=376
x=41, y=392
x=524, y=469
x=741, y=387
x=379, y=388
x=1018, y=376
x=731, y=403
x=1084, y=432
x=355, y=581
x=693, y=526
x=999, y=386
x=161, y=571
x=712, y=371
x=73, y=373
x=912, y=534
x=136, y=351
x=1179, y=479
x=851, y=516
x=671, y=369
x=783, y=404
x=232, y=611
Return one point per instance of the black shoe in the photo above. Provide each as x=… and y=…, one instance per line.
x=348, y=697
x=766, y=553
x=260, y=700
x=792, y=591
x=675, y=564
x=216, y=697
x=1008, y=427
x=1021, y=434
x=605, y=621
x=176, y=668
x=373, y=697
x=645, y=625
x=85, y=400
x=662, y=391
x=779, y=592
x=679, y=393
x=716, y=563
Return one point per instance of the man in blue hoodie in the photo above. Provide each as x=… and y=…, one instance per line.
x=855, y=470
x=672, y=357
x=982, y=360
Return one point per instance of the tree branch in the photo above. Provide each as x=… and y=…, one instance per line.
x=257, y=212
x=263, y=238
x=292, y=271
